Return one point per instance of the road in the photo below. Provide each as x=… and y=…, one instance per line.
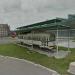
x=64, y=43
x=13, y=66
x=6, y=40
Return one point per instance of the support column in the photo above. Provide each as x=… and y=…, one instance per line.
x=57, y=41
x=32, y=39
x=68, y=40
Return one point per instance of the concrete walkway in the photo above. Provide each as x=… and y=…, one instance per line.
x=14, y=66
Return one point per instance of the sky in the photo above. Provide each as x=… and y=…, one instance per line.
x=18, y=13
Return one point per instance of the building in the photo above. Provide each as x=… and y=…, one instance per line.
x=4, y=30
x=71, y=22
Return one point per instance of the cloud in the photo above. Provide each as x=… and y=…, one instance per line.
x=9, y=5
x=36, y=5
x=22, y=12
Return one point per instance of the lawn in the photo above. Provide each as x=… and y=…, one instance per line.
x=60, y=65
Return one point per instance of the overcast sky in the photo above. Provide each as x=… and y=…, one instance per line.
x=17, y=13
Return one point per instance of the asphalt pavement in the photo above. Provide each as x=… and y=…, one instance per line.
x=14, y=66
